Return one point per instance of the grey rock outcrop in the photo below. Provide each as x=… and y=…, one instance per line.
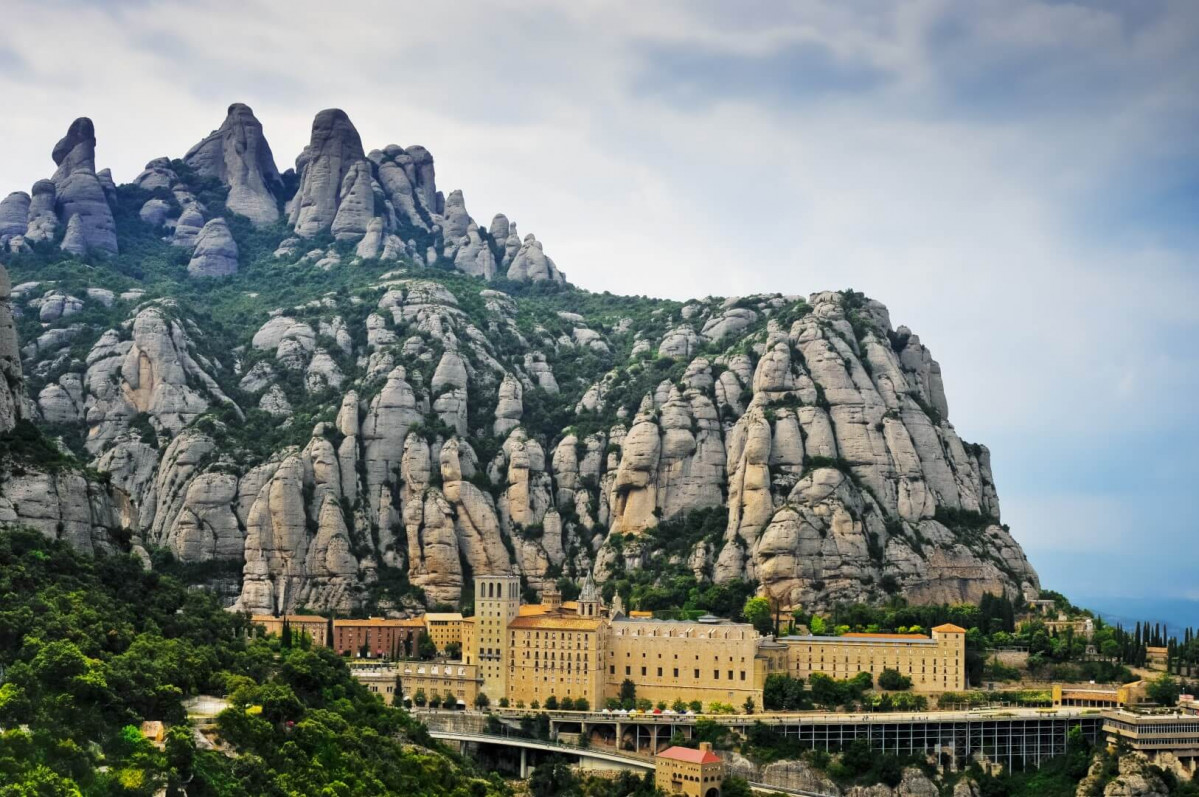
x=62, y=505
x=334, y=150
x=216, y=253
x=157, y=176
x=74, y=240
x=509, y=408
x=155, y=211
x=187, y=228
x=530, y=264
x=43, y=218
x=11, y=379
x=79, y=192
x=356, y=203
x=239, y=156
x=152, y=372
x=14, y=215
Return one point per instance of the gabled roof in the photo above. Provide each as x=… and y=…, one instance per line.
x=689, y=755
x=949, y=628
x=291, y=618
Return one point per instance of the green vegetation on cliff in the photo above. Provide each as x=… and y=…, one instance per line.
x=92, y=647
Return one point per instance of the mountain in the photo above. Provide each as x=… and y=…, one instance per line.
x=331, y=387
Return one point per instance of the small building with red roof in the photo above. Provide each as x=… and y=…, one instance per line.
x=690, y=772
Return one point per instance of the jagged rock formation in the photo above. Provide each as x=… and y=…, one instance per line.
x=395, y=428
x=215, y=254
x=10, y=359
x=238, y=155
x=530, y=264
x=332, y=155
x=79, y=191
x=43, y=220
x=14, y=217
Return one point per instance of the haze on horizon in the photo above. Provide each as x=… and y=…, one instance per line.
x=1018, y=181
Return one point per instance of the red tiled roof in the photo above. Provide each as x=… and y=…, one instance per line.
x=950, y=628
x=689, y=755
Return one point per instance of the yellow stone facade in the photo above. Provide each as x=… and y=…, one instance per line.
x=578, y=649
x=313, y=625
x=445, y=678
x=670, y=660
x=555, y=654
x=694, y=773
x=497, y=603
x=936, y=664
x=444, y=629
x=380, y=680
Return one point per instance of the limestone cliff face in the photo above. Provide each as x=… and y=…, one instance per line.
x=400, y=424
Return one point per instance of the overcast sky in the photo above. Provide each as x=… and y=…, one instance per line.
x=1018, y=181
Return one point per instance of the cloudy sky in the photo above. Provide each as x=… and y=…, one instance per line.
x=1018, y=181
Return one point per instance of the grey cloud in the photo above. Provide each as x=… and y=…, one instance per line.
x=690, y=75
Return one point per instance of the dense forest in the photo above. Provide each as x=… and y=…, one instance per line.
x=92, y=647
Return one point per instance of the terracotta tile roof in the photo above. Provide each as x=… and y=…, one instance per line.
x=551, y=622
x=950, y=628
x=291, y=618
x=689, y=755
x=531, y=610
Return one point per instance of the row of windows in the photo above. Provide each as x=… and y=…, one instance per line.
x=682, y=634
x=549, y=665
x=628, y=670
x=1155, y=727
x=696, y=779
x=629, y=654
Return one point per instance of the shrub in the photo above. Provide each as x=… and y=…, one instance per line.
x=892, y=680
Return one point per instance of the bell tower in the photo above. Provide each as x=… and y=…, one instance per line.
x=497, y=603
x=590, y=602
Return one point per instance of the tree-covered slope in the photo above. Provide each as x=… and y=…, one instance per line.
x=90, y=647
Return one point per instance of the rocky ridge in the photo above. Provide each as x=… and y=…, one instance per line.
x=380, y=406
